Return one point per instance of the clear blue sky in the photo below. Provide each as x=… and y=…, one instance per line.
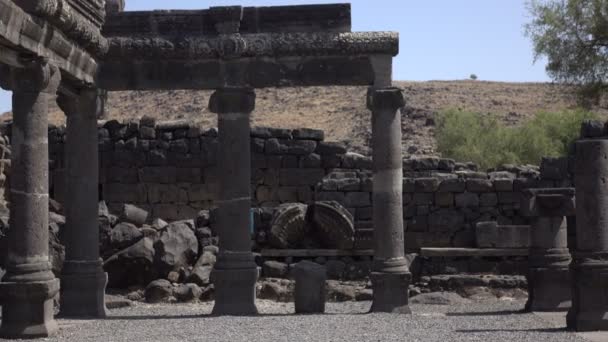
x=440, y=39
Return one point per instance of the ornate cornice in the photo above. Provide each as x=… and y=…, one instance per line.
x=32, y=36
x=79, y=20
x=255, y=45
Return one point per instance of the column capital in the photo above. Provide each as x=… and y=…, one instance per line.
x=385, y=98
x=550, y=202
x=87, y=103
x=232, y=100
x=37, y=76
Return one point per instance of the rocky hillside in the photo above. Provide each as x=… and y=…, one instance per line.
x=341, y=112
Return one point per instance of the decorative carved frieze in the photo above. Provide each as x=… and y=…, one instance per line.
x=79, y=20
x=255, y=45
x=19, y=31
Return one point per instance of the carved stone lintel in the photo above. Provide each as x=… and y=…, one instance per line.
x=30, y=35
x=255, y=45
x=80, y=20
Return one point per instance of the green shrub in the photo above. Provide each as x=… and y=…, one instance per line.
x=485, y=140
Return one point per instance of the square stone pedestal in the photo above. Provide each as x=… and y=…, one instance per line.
x=549, y=289
x=391, y=292
x=83, y=295
x=27, y=309
x=589, y=310
x=235, y=291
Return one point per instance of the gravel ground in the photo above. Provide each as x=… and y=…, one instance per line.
x=494, y=321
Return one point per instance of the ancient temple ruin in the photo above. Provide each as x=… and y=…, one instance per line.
x=78, y=49
x=75, y=52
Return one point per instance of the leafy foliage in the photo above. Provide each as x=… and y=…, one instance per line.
x=485, y=140
x=573, y=35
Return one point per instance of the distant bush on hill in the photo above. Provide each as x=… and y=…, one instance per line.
x=485, y=140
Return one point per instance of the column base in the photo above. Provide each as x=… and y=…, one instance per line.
x=83, y=288
x=235, y=291
x=391, y=292
x=27, y=309
x=589, y=310
x=549, y=289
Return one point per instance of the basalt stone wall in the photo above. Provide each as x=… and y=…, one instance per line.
x=170, y=169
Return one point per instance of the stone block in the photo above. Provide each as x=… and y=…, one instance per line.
x=508, y=197
x=364, y=213
x=330, y=196
x=331, y=161
x=467, y=200
x=296, y=177
x=479, y=185
x=409, y=185
x=446, y=220
x=423, y=198
x=305, y=194
x=349, y=184
x=261, y=132
x=309, y=294
x=444, y=199
x=356, y=161
x=188, y=175
x=488, y=199
x=125, y=193
x=357, y=199
x=158, y=174
x=122, y=175
x=157, y=157
x=554, y=168
x=330, y=148
x=592, y=129
x=426, y=184
x=308, y=134
x=455, y=185
x=418, y=224
x=288, y=194
x=201, y=192
x=503, y=185
x=492, y=235
x=290, y=162
x=310, y=161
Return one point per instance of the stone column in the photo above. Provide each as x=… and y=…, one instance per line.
x=29, y=286
x=235, y=271
x=590, y=259
x=83, y=280
x=390, y=275
x=549, y=259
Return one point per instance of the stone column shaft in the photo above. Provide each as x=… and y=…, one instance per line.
x=590, y=259
x=83, y=281
x=390, y=276
x=549, y=259
x=235, y=271
x=28, y=288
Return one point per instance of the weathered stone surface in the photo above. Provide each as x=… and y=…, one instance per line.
x=124, y=235
x=310, y=287
x=187, y=292
x=158, y=291
x=289, y=227
x=439, y=298
x=132, y=266
x=177, y=247
x=334, y=225
x=275, y=269
x=201, y=275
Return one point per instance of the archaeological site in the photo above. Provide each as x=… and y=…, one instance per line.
x=159, y=228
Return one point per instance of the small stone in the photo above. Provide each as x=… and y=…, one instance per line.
x=160, y=290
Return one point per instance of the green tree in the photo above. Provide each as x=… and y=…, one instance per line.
x=573, y=35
